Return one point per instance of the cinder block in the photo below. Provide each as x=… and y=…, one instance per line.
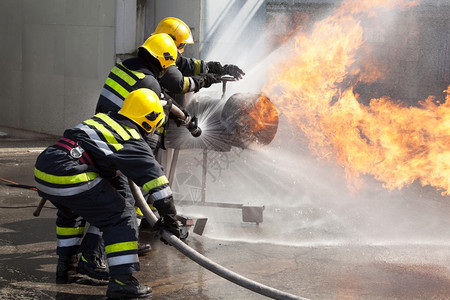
x=253, y=214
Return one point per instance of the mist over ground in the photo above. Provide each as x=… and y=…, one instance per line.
x=307, y=200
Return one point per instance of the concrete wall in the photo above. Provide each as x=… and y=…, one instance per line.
x=56, y=54
x=54, y=57
x=416, y=50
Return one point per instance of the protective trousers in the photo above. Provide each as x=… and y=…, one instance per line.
x=103, y=207
x=92, y=243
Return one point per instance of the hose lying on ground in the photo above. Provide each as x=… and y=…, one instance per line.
x=204, y=261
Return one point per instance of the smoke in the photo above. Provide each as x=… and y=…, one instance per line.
x=306, y=199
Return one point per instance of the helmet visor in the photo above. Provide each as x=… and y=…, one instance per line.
x=180, y=47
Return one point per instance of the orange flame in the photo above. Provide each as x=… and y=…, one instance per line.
x=263, y=114
x=395, y=144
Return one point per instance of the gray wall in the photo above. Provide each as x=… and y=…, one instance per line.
x=54, y=56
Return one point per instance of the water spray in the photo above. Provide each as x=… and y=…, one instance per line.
x=193, y=128
x=204, y=261
x=244, y=120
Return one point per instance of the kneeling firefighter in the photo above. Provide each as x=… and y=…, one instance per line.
x=75, y=175
x=154, y=56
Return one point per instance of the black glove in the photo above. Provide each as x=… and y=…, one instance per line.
x=169, y=223
x=205, y=80
x=179, y=121
x=215, y=67
x=234, y=71
x=165, y=206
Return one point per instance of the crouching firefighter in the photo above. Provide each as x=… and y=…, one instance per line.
x=75, y=175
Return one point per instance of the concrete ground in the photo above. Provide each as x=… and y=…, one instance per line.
x=28, y=260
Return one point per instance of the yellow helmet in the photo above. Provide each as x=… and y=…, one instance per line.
x=177, y=29
x=162, y=47
x=143, y=107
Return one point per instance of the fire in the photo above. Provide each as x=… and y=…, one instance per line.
x=263, y=114
x=395, y=144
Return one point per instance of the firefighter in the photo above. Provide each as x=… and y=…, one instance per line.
x=75, y=175
x=144, y=71
x=156, y=54
x=190, y=74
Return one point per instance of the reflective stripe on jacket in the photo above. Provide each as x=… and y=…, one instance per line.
x=125, y=77
x=114, y=144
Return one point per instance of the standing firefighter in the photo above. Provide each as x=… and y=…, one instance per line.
x=190, y=74
x=75, y=174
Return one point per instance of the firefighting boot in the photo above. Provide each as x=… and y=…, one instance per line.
x=92, y=266
x=143, y=248
x=127, y=287
x=65, y=269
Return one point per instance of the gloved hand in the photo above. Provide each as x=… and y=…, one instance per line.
x=215, y=67
x=179, y=121
x=170, y=223
x=205, y=80
x=165, y=206
x=234, y=71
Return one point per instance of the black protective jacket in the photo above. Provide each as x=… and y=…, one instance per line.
x=134, y=73
x=112, y=143
x=176, y=79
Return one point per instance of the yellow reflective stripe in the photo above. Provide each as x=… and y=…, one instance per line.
x=155, y=183
x=133, y=132
x=117, y=87
x=119, y=247
x=124, y=76
x=69, y=230
x=106, y=133
x=138, y=211
x=114, y=125
x=186, y=85
x=138, y=74
x=72, y=179
x=197, y=66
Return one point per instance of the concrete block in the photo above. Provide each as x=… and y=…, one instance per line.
x=252, y=214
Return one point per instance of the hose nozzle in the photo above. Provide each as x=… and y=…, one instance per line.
x=193, y=128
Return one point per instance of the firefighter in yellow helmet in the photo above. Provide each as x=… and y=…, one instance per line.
x=154, y=56
x=192, y=74
x=75, y=175
x=177, y=29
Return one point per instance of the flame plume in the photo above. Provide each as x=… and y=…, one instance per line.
x=395, y=144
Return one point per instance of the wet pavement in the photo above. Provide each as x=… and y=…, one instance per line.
x=314, y=271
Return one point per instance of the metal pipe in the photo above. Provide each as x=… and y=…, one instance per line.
x=204, y=172
x=173, y=164
x=204, y=261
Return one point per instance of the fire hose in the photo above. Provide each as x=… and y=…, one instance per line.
x=185, y=249
x=41, y=204
x=204, y=261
